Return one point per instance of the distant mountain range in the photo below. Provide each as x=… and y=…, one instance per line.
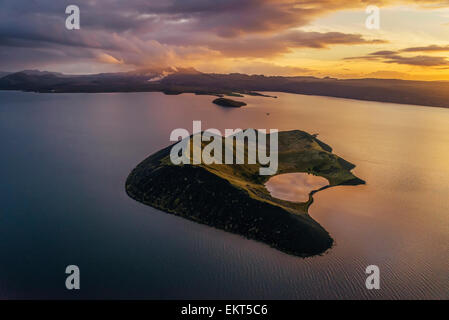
x=183, y=80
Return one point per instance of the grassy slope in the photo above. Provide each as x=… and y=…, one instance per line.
x=298, y=152
x=234, y=198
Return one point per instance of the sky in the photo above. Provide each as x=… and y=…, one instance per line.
x=272, y=37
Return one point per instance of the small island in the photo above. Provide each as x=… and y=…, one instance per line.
x=225, y=102
x=233, y=197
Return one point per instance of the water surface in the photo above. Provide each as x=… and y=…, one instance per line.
x=65, y=158
x=294, y=187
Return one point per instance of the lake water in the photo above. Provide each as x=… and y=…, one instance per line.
x=294, y=187
x=65, y=157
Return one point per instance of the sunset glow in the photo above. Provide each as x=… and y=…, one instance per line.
x=320, y=38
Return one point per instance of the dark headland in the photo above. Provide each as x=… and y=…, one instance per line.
x=233, y=197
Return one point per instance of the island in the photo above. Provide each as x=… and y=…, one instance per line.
x=234, y=198
x=225, y=102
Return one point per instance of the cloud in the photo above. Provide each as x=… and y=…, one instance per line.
x=269, y=69
x=424, y=61
x=421, y=60
x=170, y=32
x=277, y=44
x=233, y=18
x=388, y=56
x=382, y=53
x=107, y=58
x=430, y=48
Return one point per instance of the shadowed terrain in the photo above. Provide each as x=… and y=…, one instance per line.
x=176, y=81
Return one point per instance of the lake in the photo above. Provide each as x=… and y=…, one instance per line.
x=65, y=158
x=294, y=187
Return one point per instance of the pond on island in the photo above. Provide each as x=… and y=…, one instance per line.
x=294, y=187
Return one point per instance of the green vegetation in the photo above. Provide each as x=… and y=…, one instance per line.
x=234, y=198
x=224, y=102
